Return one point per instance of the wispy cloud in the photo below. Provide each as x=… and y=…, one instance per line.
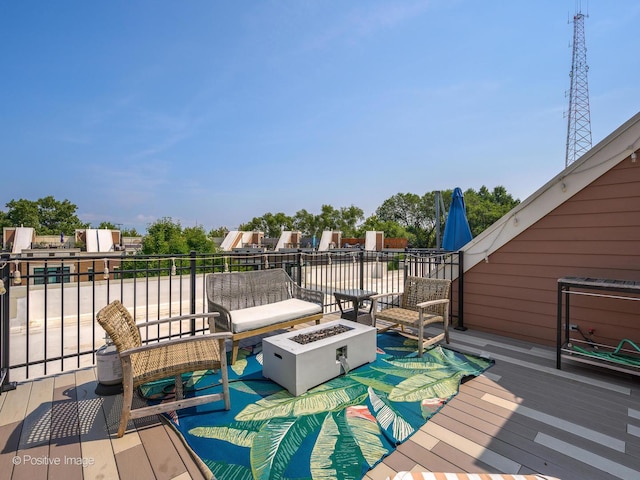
x=137, y=183
x=125, y=191
x=365, y=21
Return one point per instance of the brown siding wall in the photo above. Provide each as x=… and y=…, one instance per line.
x=596, y=233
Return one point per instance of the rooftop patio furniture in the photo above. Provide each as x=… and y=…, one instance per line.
x=423, y=302
x=624, y=356
x=259, y=301
x=171, y=358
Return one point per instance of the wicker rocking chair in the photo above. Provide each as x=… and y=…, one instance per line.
x=146, y=363
x=424, y=301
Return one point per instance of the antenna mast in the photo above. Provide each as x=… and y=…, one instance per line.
x=579, y=125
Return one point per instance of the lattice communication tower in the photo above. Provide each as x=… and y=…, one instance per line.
x=579, y=126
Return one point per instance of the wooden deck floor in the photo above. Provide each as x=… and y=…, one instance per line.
x=522, y=416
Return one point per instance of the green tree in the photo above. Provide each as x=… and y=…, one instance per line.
x=4, y=221
x=129, y=232
x=414, y=213
x=107, y=226
x=417, y=214
x=344, y=219
x=47, y=216
x=329, y=218
x=125, y=232
x=23, y=213
x=485, y=207
x=390, y=229
x=218, y=232
x=197, y=240
x=307, y=223
x=348, y=219
x=269, y=223
x=164, y=237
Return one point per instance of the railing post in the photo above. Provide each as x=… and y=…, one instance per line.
x=405, y=264
x=192, y=293
x=361, y=255
x=5, y=288
x=461, y=291
x=299, y=262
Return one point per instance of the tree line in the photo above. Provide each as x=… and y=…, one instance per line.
x=404, y=215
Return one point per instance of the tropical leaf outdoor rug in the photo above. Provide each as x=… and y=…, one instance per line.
x=337, y=430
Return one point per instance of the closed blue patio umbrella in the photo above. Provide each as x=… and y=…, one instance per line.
x=456, y=230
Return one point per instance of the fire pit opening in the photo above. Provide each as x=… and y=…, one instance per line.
x=305, y=338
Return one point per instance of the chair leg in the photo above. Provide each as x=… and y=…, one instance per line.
x=127, y=398
x=225, y=376
x=420, y=336
x=234, y=351
x=179, y=394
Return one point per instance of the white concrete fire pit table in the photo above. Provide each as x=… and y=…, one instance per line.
x=300, y=366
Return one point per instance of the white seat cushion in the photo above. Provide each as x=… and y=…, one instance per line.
x=272, y=313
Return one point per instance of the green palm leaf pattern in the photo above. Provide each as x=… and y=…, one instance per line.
x=237, y=433
x=323, y=464
x=228, y=472
x=241, y=362
x=373, y=379
x=255, y=387
x=195, y=378
x=336, y=394
x=387, y=417
x=277, y=442
x=418, y=387
x=367, y=435
x=345, y=443
x=415, y=363
x=401, y=349
x=400, y=372
x=334, y=431
x=469, y=366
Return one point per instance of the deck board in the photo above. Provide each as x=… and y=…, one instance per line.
x=193, y=470
x=521, y=416
x=35, y=431
x=64, y=444
x=133, y=463
x=163, y=456
x=94, y=433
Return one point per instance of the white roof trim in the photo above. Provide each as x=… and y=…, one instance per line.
x=593, y=164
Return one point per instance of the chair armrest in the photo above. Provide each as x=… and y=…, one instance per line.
x=432, y=302
x=313, y=296
x=381, y=295
x=374, y=303
x=175, y=319
x=222, y=312
x=197, y=338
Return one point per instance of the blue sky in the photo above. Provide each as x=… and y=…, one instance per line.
x=215, y=112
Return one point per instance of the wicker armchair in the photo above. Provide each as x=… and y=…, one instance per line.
x=146, y=363
x=423, y=302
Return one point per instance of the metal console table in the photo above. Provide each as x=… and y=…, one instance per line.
x=582, y=286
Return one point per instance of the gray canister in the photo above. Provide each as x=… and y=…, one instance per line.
x=108, y=365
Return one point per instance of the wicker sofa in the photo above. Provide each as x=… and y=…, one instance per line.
x=259, y=301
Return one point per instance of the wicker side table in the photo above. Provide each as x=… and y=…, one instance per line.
x=358, y=313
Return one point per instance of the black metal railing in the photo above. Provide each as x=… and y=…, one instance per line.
x=47, y=322
x=5, y=384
